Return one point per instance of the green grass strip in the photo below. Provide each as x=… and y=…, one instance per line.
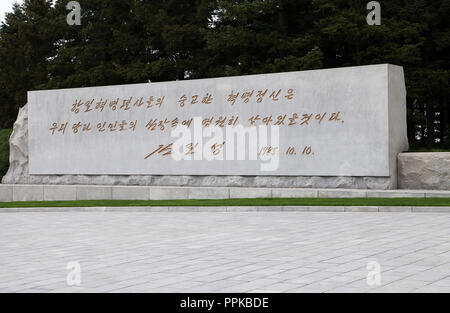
x=238, y=202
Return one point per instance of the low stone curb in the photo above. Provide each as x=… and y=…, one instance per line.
x=13, y=193
x=236, y=209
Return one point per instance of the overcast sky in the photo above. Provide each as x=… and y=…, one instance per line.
x=6, y=6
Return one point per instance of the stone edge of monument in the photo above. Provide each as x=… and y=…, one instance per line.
x=398, y=134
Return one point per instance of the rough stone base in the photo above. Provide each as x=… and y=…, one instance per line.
x=424, y=170
x=206, y=181
x=18, y=173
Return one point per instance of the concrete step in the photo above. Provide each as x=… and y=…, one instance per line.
x=235, y=209
x=9, y=193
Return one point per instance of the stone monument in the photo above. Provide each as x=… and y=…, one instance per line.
x=332, y=128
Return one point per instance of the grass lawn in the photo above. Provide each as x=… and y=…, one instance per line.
x=4, y=151
x=239, y=202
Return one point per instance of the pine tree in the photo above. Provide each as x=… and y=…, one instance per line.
x=26, y=45
x=133, y=41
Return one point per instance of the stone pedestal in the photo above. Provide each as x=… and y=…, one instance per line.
x=424, y=170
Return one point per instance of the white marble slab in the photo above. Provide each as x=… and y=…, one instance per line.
x=361, y=141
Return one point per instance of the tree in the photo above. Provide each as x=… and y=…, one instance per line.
x=253, y=37
x=26, y=45
x=134, y=41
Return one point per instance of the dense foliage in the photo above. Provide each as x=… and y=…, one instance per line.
x=4, y=151
x=131, y=41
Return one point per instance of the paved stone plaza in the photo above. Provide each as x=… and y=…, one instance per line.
x=225, y=252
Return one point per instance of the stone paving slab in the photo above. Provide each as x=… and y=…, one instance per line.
x=10, y=193
x=233, y=252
